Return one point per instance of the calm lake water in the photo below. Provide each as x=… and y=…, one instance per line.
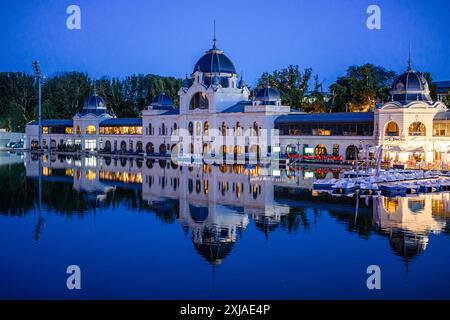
x=149, y=229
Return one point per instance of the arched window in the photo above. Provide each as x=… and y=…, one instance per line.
x=351, y=153
x=392, y=129
x=150, y=129
x=256, y=128
x=139, y=147
x=191, y=128
x=78, y=130
x=162, y=149
x=206, y=128
x=198, y=128
x=224, y=129
x=123, y=146
x=163, y=129
x=238, y=128
x=199, y=101
x=417, y=129
x=90, y=129
x=175, y=127
x=320, y=150
x=108, y=146
x=149, y=148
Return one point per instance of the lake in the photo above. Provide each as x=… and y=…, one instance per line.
x=152, y=229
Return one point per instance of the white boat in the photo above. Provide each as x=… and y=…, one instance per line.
x=345, y=186
x=325, y=184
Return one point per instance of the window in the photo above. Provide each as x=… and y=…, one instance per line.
x=44, y=130
x=78, y=130
x=351, y=153
x=335, y=149
x=199, y=101
x=392, y=129
x=206, y=128
x=417, y=129
x=238, y=128
x=191, y=128
x=90, y=129
x=198, y=128
x=69, y=130
x=320, y=150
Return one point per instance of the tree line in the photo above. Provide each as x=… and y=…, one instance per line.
x=63, y=95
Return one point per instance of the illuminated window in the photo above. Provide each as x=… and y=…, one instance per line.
x=417, y=129
x=90, y=175
x=45, y=130
x=392, y=129
x=78, y=130
x=90, y=129
x=335, y=149
x=323, y=132
x=320, y=150
x=69, y=130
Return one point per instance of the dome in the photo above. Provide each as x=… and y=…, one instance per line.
x=410, y=86
x=215, y=61
x=94, y=104
x=268, y=94
x=410, y=81
x=162, y=102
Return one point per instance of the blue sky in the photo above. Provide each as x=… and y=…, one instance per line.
x=167, y=37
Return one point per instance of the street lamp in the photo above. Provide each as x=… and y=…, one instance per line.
x=38, y=75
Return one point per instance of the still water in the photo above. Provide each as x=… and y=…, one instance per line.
x=149, y=229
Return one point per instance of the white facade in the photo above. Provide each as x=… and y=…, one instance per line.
x=217, y=120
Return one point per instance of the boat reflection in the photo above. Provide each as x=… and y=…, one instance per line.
x=215, y=204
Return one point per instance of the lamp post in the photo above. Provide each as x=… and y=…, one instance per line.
x=38, y=75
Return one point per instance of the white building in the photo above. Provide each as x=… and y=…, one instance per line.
x=217, y=120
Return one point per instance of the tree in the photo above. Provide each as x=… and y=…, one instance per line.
x=18, y=100
x=292, y=84
x=361, y=88
x=64, y=94
x=316, y=100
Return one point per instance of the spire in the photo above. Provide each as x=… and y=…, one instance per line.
x=186, y=81
x=214, y=38
x=241, y=81
x=409, y=59
x=95, y=88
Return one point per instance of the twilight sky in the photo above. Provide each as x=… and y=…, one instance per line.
x=167, y=37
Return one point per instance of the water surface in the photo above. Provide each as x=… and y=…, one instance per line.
x=149, y=229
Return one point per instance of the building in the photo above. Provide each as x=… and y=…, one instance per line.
x=442, y=89
x=217, y=120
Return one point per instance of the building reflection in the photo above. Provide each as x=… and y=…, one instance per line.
x=214, y=205
x=408, y=221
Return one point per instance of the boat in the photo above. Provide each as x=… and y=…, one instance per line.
x=324, y=184
x=345, y=186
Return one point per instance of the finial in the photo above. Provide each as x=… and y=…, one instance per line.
x=214, y=38
x=409, y=59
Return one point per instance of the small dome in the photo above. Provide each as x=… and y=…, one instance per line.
x=162, y=102
x=268, y=94
x=410, y=86
x=94, y=104
x=215, y=61
x=410, y=81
